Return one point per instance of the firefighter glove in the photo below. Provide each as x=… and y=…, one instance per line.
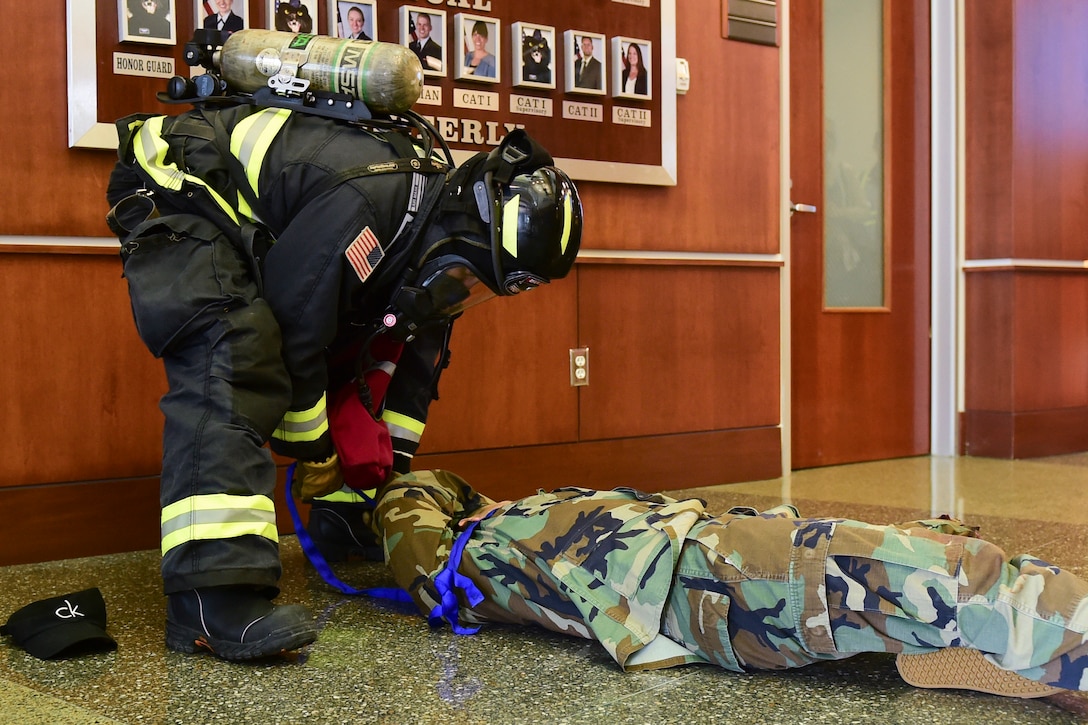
x=314, y=479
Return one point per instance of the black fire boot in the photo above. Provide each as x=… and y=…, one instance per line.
x=235, y=623
x=341, y=531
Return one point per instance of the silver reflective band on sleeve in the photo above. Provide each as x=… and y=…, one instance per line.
x=403, y=427
x=304, y=425
x=217, y=516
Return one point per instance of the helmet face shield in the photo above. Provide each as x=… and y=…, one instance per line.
x=454, y=288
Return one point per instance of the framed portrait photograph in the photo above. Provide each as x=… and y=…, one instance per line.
x=424, y=32
x=631, y=58
x=292, y=16
x=226, y=15
x=533, y=55
x=355, y=19
x=147, y=21
x=584, y=62
x=478, y=48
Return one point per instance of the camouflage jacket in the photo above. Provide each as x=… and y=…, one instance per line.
x=604, y=571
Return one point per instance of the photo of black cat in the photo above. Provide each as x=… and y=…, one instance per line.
x=536, y=58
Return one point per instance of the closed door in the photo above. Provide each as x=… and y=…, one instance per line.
x=859, y=250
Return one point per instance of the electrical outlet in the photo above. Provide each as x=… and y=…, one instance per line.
x=579, y=366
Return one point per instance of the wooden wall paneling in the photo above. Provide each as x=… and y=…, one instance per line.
x=988, y=134
x=1050, y=340
x=988, y=336
x=508, y=383
x=47, y=188
x=90, y=518
x=1026, y=363
x=64, y=521
x=80, y=390
x=727, y=196
x=654, y=463
x=675, y=349
x=1050, y=107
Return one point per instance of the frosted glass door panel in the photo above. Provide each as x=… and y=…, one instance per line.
x=854, y=254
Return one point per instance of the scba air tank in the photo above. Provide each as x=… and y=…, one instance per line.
x=387, y=77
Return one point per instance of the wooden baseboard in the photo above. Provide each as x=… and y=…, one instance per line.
x=91, y=518
x=651, y=464
x=1028, y=434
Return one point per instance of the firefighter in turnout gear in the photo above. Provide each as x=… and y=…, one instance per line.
x=276, y=259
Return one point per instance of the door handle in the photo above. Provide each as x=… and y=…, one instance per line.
x=806, y=208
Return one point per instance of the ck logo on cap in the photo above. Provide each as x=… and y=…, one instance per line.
x=68, y=611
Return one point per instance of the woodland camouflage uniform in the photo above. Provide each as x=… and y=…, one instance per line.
x=660, y=582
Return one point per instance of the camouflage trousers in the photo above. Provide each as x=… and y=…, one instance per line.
x=774, y=592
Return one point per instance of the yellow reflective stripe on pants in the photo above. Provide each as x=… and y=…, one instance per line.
x=217, y=516
x=403, y=427
x=249, y=143
x=150, y=150
x=304, y=425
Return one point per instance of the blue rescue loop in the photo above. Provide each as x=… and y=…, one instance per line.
x=322, y=566
x=449, y=582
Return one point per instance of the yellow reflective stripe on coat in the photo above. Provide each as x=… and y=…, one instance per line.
x=249, y=143
x=217, y=516
x=304, y=425
x=403, y=427
x=151, y=149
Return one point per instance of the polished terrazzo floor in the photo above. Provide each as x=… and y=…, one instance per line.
x=375, y=663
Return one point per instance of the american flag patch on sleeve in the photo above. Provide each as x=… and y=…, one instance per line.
x=364, y=253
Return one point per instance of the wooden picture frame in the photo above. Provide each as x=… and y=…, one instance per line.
x=535, y=68
x=432, y=59
x=147, y=21
x=574, y=50
x=202, y=16
x=623, y=87
x=280, y=16
x=340, y=17
x=469, y=66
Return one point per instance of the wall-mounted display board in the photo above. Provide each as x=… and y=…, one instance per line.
x=593, y=80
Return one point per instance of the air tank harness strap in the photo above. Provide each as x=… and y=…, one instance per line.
x=396, y=166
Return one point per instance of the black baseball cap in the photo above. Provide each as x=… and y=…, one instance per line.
x=66, y=625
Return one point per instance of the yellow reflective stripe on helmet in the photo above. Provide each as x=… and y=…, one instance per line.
x=568, y=216
x=150, y=150
x=249, y=143
x=304, y=425
x=510, y=226
x=403, y=427
x=217, y=516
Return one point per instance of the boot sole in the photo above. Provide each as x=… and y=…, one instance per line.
x=190, y=641
x=960, y=668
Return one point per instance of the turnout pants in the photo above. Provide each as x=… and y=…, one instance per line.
x=196, y=306
x=760, y=592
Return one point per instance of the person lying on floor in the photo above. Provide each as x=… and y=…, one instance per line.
x=660, y=582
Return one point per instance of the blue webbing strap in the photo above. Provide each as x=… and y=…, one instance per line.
x=322, y=566
x=449, y=581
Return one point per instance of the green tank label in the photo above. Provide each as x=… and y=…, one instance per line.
x=300, y=41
